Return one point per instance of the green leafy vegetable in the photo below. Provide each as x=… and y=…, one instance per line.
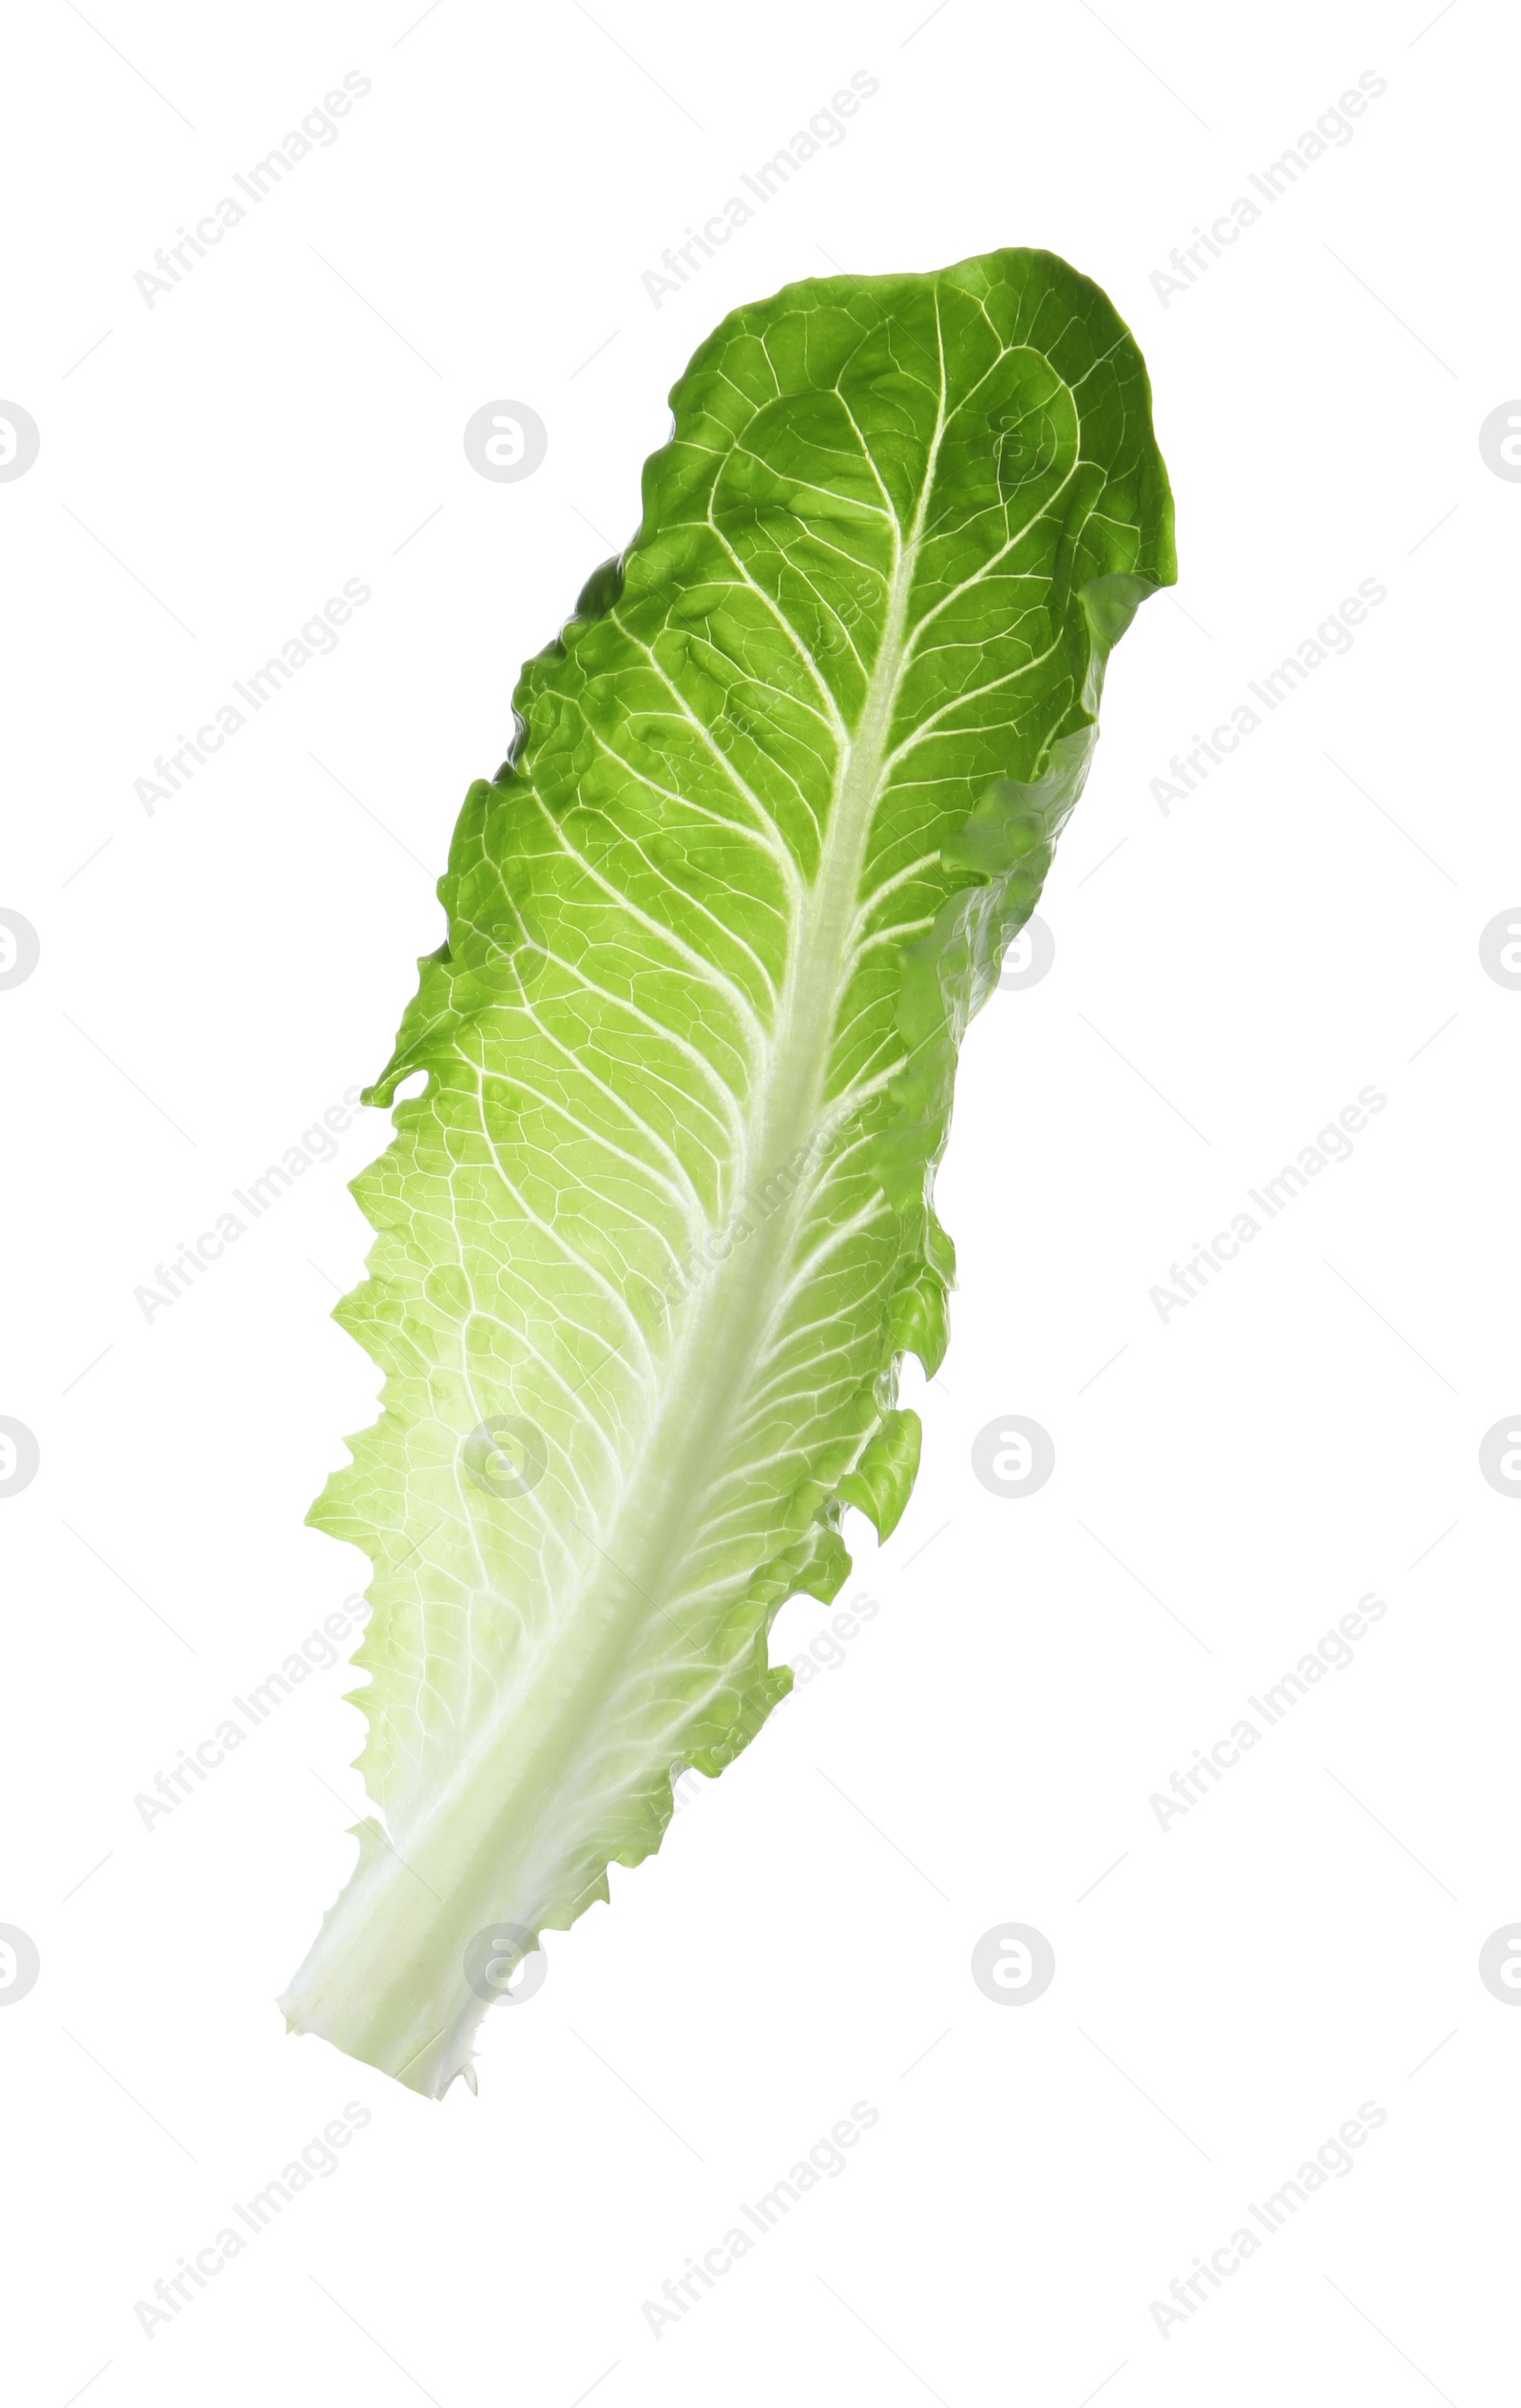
x=658, y=1232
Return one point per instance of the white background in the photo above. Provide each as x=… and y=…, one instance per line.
x=1229, y=1990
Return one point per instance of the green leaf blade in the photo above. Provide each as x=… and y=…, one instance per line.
x=654, y=1239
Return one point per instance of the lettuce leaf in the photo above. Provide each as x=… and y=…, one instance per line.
x=657, y=1233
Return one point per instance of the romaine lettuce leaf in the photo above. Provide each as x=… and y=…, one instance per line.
x=657, y=1233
